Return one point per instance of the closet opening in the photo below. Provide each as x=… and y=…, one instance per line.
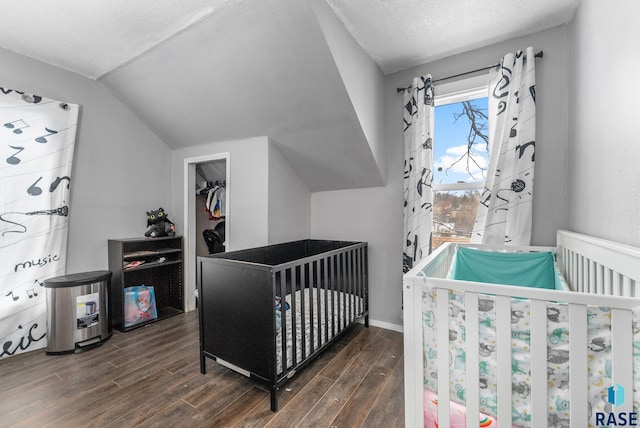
x=211, y=207
x=206, y=205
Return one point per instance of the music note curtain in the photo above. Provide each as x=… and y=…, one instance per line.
x=37, y=137
x=418, y=117
x=505, y=212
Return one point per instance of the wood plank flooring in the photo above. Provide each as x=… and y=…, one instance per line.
x=150, y=377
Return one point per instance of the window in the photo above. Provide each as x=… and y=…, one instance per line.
x=460, y=158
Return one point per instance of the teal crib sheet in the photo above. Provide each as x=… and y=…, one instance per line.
x=524, y=269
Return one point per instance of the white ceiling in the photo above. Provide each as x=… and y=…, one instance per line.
x=199, y=71
x=94, y=37
x=399, y=34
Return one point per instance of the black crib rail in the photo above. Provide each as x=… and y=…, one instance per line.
x=238, y=290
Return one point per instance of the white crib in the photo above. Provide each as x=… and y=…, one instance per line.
x=600, y=274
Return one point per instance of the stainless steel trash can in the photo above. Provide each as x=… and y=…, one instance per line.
x=78, y=312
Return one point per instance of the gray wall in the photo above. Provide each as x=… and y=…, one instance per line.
x=362, y=79
x=121, y=169
x=247, y=192
x=247, y=188
x=289, y=201
x=604, y=183
x=375, y=214
x=268, y=203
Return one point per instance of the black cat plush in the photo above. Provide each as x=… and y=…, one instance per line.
x=159, y=225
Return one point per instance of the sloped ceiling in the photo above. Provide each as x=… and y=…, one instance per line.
x=231, y=76
x=400, y=34
x=93, y=37
x=199, y=71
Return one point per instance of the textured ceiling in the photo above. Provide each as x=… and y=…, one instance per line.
x=93, y=37
x=399, y=34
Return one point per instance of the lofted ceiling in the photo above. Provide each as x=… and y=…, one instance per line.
x=199, y=71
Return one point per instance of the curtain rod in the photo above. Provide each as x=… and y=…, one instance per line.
x=537, y=55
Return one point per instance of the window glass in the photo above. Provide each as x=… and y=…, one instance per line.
x=460, y=152
x=454, y=213
x=461, y=160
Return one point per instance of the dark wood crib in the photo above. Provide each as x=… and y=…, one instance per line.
x=245, y=323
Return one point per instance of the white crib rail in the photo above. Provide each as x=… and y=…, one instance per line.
x=621, y=348
x=589, y=264
x=595, y=265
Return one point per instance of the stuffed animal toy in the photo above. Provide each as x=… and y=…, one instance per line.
x=159, y=225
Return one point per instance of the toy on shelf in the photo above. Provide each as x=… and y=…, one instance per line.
x=158, y=224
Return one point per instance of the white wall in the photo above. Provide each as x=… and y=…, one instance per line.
x=289, y=201
x=121, y=169
x=604, y=183
x=375, y=214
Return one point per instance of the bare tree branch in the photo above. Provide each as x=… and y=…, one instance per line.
x=478, y=130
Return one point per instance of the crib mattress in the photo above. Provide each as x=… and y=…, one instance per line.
x=339, y=300
x=599, y=369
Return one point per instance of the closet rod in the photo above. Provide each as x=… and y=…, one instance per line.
x=489, y=67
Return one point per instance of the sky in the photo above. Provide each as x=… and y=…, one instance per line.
x=450, y=141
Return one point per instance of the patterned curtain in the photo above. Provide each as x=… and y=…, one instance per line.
x=37, y=141
x=418, y=115
x=505, y=212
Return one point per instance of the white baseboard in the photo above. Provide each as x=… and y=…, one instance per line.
x=385, y=325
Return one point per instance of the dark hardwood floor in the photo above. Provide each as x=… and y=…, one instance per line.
x=151, y=377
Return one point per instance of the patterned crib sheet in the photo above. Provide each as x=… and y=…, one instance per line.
x=457, y=414
x=340, y=302
x=599, y=369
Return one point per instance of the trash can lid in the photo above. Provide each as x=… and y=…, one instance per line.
x=76, y=279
